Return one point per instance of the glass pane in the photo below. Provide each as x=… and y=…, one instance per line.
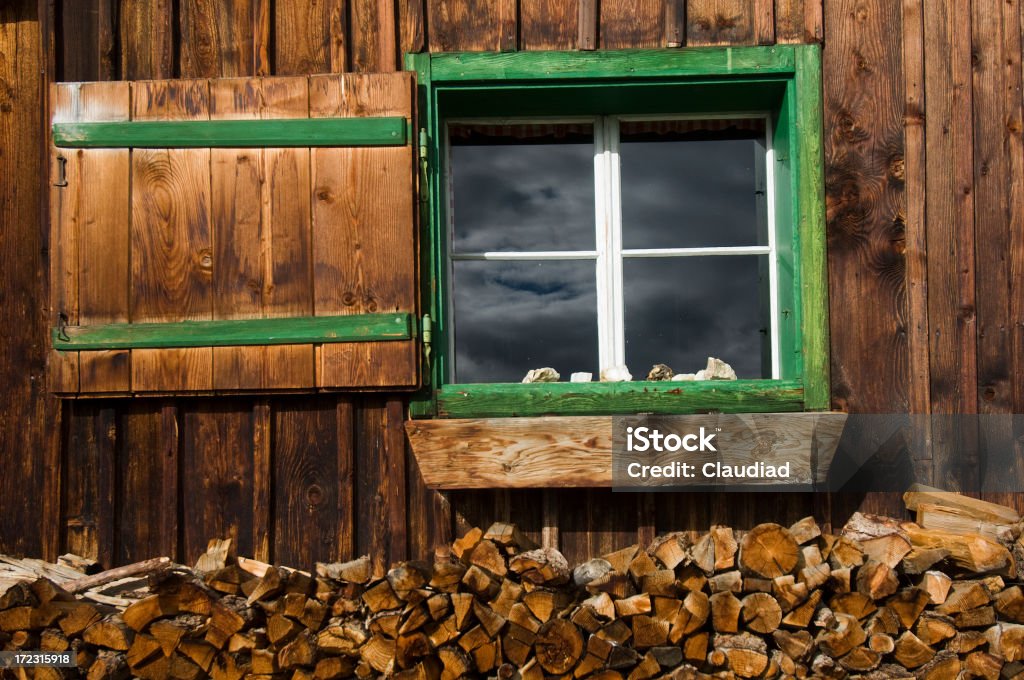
x=681, y=310
x=689, y=184
x=514, y=316
x=522, y=187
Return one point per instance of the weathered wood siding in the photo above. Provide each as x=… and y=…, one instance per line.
x=923, y=179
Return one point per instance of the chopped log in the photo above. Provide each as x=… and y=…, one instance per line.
x=971, y=507
x=694, y=612
x=491, y=620
x=908, y=605
x=937, y=585
x=839, y=580
x=544, y=566
x=670, y=549
x=943, y=666
x=703, y=554
x=725, y=612
x=1006, y=640
x=881, y=643
x=110, y=633
x=845, y=634
x=876, y=580
x=970, y=551
x=620, y=559
x=144, y=567
x=768, y=550
x=447, y=576
x=558, y=647
x=942, y=518
x=761, y=613
x=933, y=628
x=510, y=537
x=641, y=566
x=695, y=648
x=911, y=652
x=965, y=596
x=109, y=666
x=861, y=660
x=649, y=632
x=591, y=570
x=725, y=547
x=857, y=605
x=845, y=554
x=966, y=641
x=796, y=645
x=487, y=557
x=730, y=580
x=631, y=606
x=983, y=665
x=461, y=547
x=920, y=560
x=661, y=582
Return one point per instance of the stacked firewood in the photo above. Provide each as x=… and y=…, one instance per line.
x=882, y=599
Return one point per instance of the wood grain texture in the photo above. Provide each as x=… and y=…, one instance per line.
x=217, y=38
x=104, y=219
x=261, y=222
x=412, y=31
x=631, y=24
x=147, y=39
x=63, y=369
x=549, y=24
x=949, y=208
x=798, y=21
x=346, y=460
x=89, y=481
x=466, y=26
x=721, y=22
x=171, y=238
x=364, y=257
x=865, y=207
x=305, y=482
x=218, y=477
x=309, y=37
x=29, y=417
x=88, y=51
x=373, y=32
x=147, y=468
x=262, y=479
x=588, y=24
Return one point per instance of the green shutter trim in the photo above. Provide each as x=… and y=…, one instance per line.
x=236, y=332
x=185, y=134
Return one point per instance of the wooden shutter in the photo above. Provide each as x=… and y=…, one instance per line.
x=260, y=237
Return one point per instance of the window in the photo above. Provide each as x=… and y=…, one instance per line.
x=588, y=210
x=611, y=241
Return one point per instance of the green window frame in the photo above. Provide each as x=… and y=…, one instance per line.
x=784, y=80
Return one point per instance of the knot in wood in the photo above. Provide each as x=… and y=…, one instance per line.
x=314, y=495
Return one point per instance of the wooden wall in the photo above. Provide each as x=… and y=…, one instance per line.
x=923, y=180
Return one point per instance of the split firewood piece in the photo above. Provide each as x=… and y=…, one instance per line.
x=801, y=615
x=544, y=566
x=447, y=576
x=970, y=551
x=942, y=518
x=768, y=550
x=408, y=577
x=670, y=549
x=857, y=605
x=911, y=652
x=109, y=665
x=789, y=593
x=842, y=636
x=481, y=582
x=908, y=605
x=461, y=547
x=937, y=585
x=510, y=537
x=620, y=559
x=691, y=616
x=1006, y=640
x=270, y=585
x=945, y=665
x=920, y=560
x=968, y=506
x=224, y=622
x=641, y=566
x=591, y=570
x=558, y=646
x=761, y=613
x=839, y=580
x=966, y=641
x=649, y=632
x=730, y=580
x=881, y=643
x=845, y=553
x=695, y=647
x=746, y=655
x=631, y=606
x=965, y=596
x=110, y=633
x=662, y=582
x=983, y=665
x=882, y=539
x=805, y=530
x=861, y=660
x=933, y=628
x=486, y=556
x=141, y=613
x=876, y=580
x=797, y=645
x=725, y=547
x=703, y=554
x=216, y=557
x=725, y=612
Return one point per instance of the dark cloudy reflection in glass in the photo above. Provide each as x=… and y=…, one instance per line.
x=514, y=316
x=681, y=310
x=522, y=187
x=691, y=189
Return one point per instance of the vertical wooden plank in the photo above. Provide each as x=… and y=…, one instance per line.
x=80, y=41
x=949, y=209
x=467, y=25
x=29, y=417
x=262, y=480
x=147, y=465
x=147, y=39
x=65, y=205
x=261, y=63
x=104, y=219
x=798, y=21
x=89, y=464
x=363, y=230
x=631, y=23
x=589, y=19
x=720, y=22
x=171, y=241
x=217, y=38
x=217, y=461
x=305, y=474
x=865, y=202
x=373, y=36
x=764, y=22
x=393, y=479
x=309, y=38
x=675, y=23
x=411, y=29
x=261, y=223
x=372, y=538
x=549, y=24
x=347, y=519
